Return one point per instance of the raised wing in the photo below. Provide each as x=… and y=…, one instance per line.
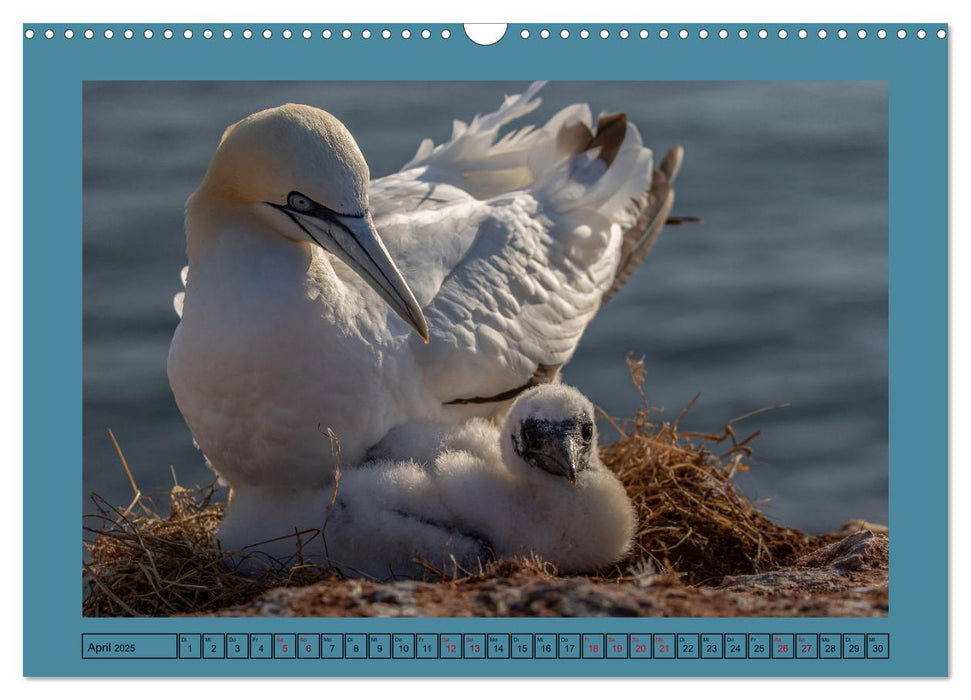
x=513, y=310
x=511, y=245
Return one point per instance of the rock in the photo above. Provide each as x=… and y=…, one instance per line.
x=825, y=568
x=860, y=551
x=847, y=577
x=857, y=525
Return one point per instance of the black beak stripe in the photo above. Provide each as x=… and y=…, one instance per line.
x=332, y=217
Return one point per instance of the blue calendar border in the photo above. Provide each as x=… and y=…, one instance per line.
x=916, y=72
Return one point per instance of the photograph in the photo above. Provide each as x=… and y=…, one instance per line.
x=485, y=349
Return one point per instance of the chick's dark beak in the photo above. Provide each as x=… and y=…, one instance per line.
x=557, y=448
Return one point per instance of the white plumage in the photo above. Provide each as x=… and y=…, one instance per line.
x=296, y=311
x=473, y=496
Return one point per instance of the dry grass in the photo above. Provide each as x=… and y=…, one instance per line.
x=694, y=526
x=693, y=521
x=141, y=563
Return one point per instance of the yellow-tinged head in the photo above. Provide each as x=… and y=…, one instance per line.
x=293, y=148
x=298, y=171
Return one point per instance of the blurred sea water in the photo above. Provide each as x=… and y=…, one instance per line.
x=778, y=297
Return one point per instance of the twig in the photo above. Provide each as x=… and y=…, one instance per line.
x=335, y=449
x=109, y=593
x=131, y=479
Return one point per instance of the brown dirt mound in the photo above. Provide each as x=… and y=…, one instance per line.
x=845, y=579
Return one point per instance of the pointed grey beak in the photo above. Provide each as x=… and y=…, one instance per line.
x=354, y=240
x=561, y=454
x=574, y=458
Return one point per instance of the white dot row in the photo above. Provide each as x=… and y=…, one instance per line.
x=724, y=34
x=228, y=34
x=445, y=34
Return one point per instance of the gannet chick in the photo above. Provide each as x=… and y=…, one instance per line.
x=535, y=485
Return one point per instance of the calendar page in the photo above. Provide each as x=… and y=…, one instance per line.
x=508, y=350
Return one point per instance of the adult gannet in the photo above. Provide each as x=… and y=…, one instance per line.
x=297, y=316
x=469, y=493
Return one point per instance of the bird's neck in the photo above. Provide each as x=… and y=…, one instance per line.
x=216, y=228
x=236, y=261
x=232, y=252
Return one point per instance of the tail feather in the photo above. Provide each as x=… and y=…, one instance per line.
x=627, y=176
x=611, y=131
x=671, y=165
x=655, y=208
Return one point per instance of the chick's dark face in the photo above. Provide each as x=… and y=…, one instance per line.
x=562, y=448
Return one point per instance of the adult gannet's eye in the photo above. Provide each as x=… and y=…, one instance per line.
x=299, y=202
x=586, y=432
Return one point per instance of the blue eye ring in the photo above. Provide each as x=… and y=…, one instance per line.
x=299, y=202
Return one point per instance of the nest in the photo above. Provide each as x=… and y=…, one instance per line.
x=141, y=563
x=694, y=526
x=693, y=521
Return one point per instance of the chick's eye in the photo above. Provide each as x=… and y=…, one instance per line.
x=586, y=432
x=299, y=202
